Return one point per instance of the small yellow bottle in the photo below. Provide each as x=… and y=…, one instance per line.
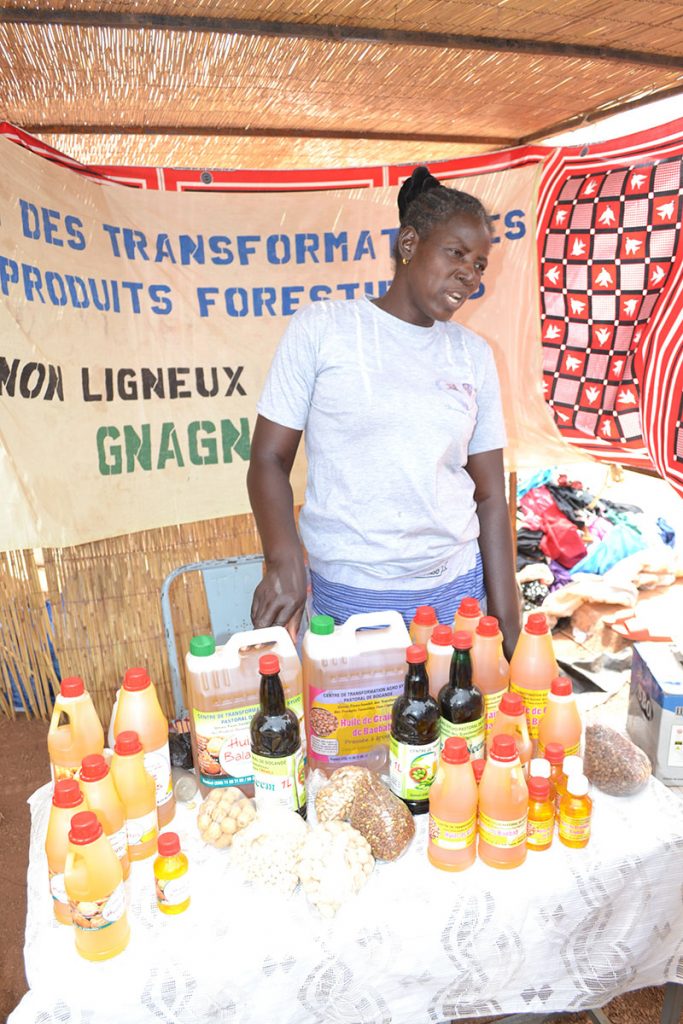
x=575, y=813
x=541, y=819
x=170, y=873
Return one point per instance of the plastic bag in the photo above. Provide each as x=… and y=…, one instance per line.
x=613, y=763
x=382, y=819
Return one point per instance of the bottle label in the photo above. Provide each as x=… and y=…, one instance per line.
x=224, y=743
x=491, y=705
x=535, y=702
x=473, y=732
x=346, y=724
x=574, y=749
x=119, y=842
x=171, y=892
x=507, y=834
x=93, y=915
x=575, y=829
x=141, y=830
x=57, y=887
x=158, y=764
x=280, y=781
x=452, y=835
x=540, y=833
x=412, y=768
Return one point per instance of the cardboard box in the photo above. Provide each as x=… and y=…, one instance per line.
x=655, y=709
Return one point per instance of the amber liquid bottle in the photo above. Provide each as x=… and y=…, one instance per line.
x=276, y=754
x=414, y=744
x=461, y=704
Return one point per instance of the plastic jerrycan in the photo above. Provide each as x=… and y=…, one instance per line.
x=67, y=800
x=533, y=668
x=101, y=797
x=75, y=729
x=138, y=709
x=453, y=809
x=490, y=670
x=352, y=675
x=439, y=655
x=95, y=888
x=137, y=791
x=223, y=697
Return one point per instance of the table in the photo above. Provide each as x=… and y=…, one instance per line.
x=568, y=930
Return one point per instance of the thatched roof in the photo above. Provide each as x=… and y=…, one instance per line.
x=305, y=83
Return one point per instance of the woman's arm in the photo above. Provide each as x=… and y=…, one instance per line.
x=280, y=596
x=495, y=543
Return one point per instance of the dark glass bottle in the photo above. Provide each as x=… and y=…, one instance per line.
x=276, y=754
x=414, y=744
x=460, y=703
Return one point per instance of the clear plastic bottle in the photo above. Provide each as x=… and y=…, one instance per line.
x=571, y=765
x=94, y=885
x=67, y=800
x=453, y=809
x=576, y=809
x=503, y=807
x=171, y=875
x=562, y=721
x=75, y=729
x=468, y=615
x=414, y=742
x=541, y=815
x=511, y=720
x=101, y=797
x=276, y=754
x=554, y=754
x=439, y=657
x=533, y=668
x=139, y=710
x=460, y=703
x=423, y=623
x=540, y=768
x=490, y=670
x=137, y=791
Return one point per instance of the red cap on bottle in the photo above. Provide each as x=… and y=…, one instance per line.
x=93, y=768
x=269, y=664
x=72, y=687
x=67, y=793
x=442, y=636
x=455, y=750
x=511, y=704
x=539, y=789
x=469, y=607
x=504, y=748
x=168, y=844
x=488, y=626
x=136, y=679
x=536, y=624
x=416, y=654
x=478, y=766
x=127, y=742
x=562, y=687
x=424, y=615
x=462, y=640
x=85, y=828
x=554, y=752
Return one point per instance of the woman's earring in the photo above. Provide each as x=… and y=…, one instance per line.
x=405, y=261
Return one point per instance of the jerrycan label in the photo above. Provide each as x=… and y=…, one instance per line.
x=119, y=842
x=224, y=743
x=350, y=723
x=62, y=771
x=452, y=835
x=491, y=705
x=279, y=781
x=141, y=830
x=473, y=732
x=506, y=834
x=93, y=915
x=57, y=887
x=412, y=768
x=158, y=765
x=535, y=702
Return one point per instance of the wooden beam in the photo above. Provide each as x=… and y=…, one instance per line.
x=334, y=33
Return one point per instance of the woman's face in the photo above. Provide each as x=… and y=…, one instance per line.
x=445, y=268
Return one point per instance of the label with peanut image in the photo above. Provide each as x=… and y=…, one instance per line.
x=93, y=915
x=345, y=723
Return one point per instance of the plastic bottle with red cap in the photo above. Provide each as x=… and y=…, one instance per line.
x=276, y=754
x=94, y=884
x=439, y=656
x=533, y=668
x=423, y=623
x=503, y=806
x=137, y=791
x=75, y=729
x=468, y=615
x=541, y=814
x=490, y=669
x=511, y=720
x=102, y=798
x=414, y=742
x=67, y=800
x=171, y=875
x=138, y=709
x=453, y=809
x=460, y=703
x=562, y=721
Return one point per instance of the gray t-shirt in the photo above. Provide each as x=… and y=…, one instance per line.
x=391, y=413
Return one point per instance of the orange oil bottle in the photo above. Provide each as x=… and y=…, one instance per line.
x=75, y=729
x=101, y=797
x=511, y=720
x=468, y=615
x=562, y=721
x=94, y=885
x=576, y=808
x=137, y=791
x=541, y=815
x=554, y=755
x=453, y=809
x=423, y=623
x=439, y=657
x=503, y=806
x=540, y=768
x=139, y=710
x=67, y=800
x=571, y=765
x=490, y=669
x=533, y=668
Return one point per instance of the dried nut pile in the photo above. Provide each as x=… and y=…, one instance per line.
x=334, y=801
x=223, y=814
x=335, y=864
x=613, y=763
x=382, y=819
x=268, y=850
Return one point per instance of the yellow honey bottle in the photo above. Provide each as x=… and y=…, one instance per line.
x=576, y=808
x=171, y=875
x=541, y=819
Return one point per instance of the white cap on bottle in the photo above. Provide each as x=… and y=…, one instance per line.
x=577, y=785
x=572, y=765
x=539, y=768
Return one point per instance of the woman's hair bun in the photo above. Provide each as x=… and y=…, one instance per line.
x=419, y=181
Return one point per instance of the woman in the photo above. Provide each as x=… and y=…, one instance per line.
x=405, y=497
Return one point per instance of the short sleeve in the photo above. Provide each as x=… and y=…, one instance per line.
x=489, y=431
x=288, y=389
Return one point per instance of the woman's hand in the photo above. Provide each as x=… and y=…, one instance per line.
x=280, y=597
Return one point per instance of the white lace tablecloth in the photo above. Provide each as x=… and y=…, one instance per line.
x=568, y=930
